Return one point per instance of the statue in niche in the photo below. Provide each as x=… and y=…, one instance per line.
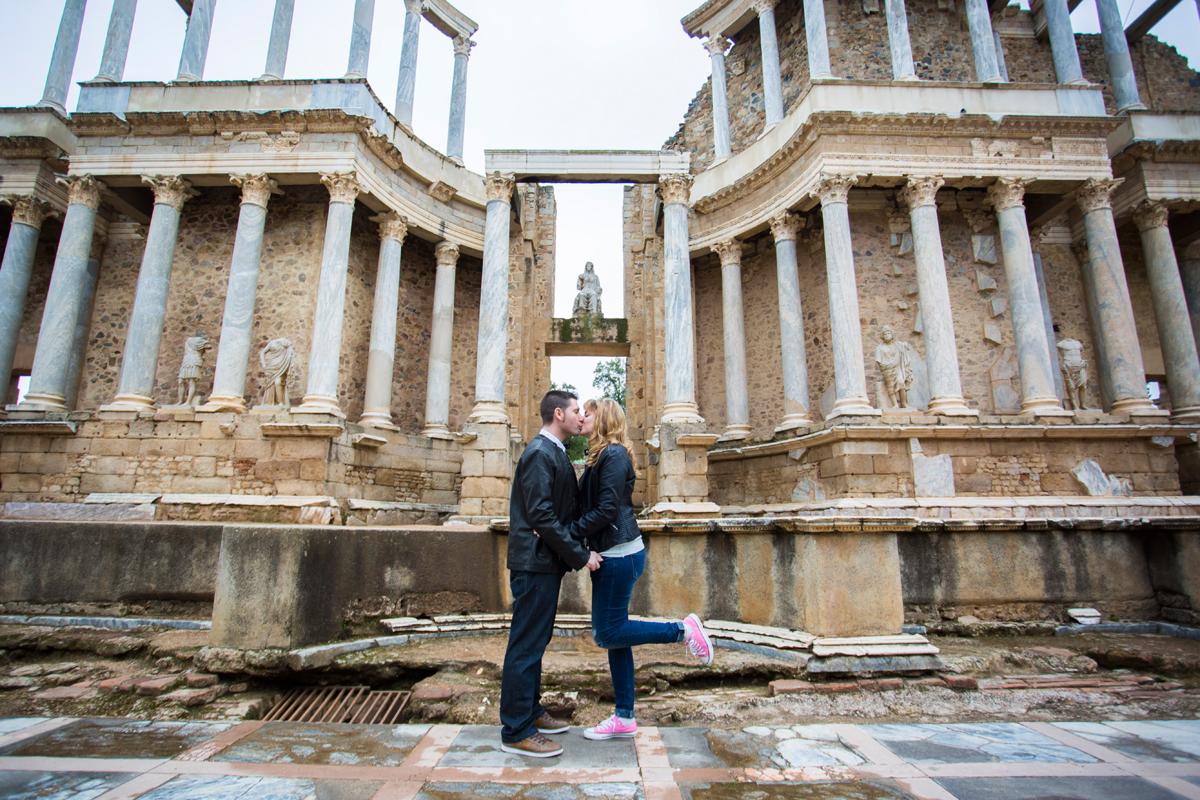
x=588, y=299
x=279, y=361
x=895, y=363
x=189, y=372
x=1074, y=373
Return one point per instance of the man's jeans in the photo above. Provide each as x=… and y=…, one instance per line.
x=535, y=601
x=612, y=629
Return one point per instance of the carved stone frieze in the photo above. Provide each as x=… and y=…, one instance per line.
x=676, y=187
x=499, y=186
x=835, y=188
x=446, y=254
x=921, y=191
x=30, y=211
x=730, y=251
x=716, y=45
x=256, y=189
x=392, y=225
x=1151, y=215
x=1008, y=193
x=979, y=219
x=83, y=190
x=785, y=225
x=1096, y=193
x=442, y=192
x=170, y=190
x=343, y=186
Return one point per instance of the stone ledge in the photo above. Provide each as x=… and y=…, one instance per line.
x=325, y=430
x=355, y=504
x=363, y=440
x=284, y=501
x=47, y=427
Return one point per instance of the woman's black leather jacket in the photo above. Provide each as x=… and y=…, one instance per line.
x=606, y=502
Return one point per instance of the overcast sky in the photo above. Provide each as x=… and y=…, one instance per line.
x=569, y=74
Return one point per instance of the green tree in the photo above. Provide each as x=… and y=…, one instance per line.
x=576, y=445
x=609, y=378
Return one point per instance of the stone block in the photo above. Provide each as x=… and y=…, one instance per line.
x=445, y=498
x=848, y=465
x=70, y=444
x=961, y=682
x=44, y=463
x=199, y=680
x=495, y=506
x=859, y=448
x=302, y=448
x=10, y=462
x=278, y=470
x=695, y=462
x=110, y=465
x=442, y=481
x=497, y=464
x=163, y=447
x=114, y=447
x=672, y=462
x=472, y=464
x=152, y=687
x=211, y=429
x=789, y=687
x=91, y=482
x=249, y=427
x=253, y=449
x=222, y=447
x=313, y=469
x=191, y=698
x=892, y=465
x=184, y=485
x=115, y=429
x=204, y=467
x=471, y=507
x=695, y=486
x=485, y=487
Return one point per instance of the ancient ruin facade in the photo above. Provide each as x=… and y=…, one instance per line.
x=994, y=195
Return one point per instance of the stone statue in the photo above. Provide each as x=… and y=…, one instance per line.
x=1074, y=372
x=895, y=362
x=279, y=361
x=588, y=299
x=189, y=373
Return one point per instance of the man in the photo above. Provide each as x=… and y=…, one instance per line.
x=540, y=550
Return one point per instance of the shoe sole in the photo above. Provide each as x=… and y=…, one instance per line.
x=518, y=752
x=601, y=736
x=563, y=729
x=707, y=641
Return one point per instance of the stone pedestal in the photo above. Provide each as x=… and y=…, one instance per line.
x=487, y=470
x=851, y=584
x=683, y=470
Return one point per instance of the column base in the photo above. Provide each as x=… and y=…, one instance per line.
x=129, y=401
x=267, y=77
x=951, y=407
x=1046, y=405
x=377, y=419
x=793, y=421
x=488, y=411
x=853, y=407
x=686, y=411
x=1189, y=415
x=907, y=78
x=718, y=161
x=319, y=404
x=41, y=401
x=225, y=402
x=1133, y=405
x=1133, y=107
x=437, y=430
x=735, y=433
x=1054, y=412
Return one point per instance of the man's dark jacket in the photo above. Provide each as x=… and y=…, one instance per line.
x=544, y=500
x=606, y=500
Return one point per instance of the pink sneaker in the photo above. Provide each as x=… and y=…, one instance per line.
x=611, y=728
x=697, y=640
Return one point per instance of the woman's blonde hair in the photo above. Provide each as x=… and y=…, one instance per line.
x=609, y=429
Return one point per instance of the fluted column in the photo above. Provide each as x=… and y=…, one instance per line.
x=941, y=350
x=1038, y=395
x=898, y=41
x=1105, y=275
x=492, y=351
x=680, y=403
x=83, y=322
x=321, y=395
x=816, y=36
x=381, y=358
x=772, y=81
x=784, y=227
x=716, y=47
x=360, y=39
x=983, y=44
x=52, y=357
x=1116, y=52
x=28, y=215
x=458, y=99
x=849, y=374
x=281, y=38
x=1170, y=312
x=139, y=365
x=1062, y=42
x=62, y=62
x=437, y=387
x=195, y=41
x=406, y=87
x=237, y=326
x=737, y=402
x=116, y=45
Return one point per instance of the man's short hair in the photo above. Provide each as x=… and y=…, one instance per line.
x=555, y=398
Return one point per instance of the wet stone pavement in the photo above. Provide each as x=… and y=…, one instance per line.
x=107, y=759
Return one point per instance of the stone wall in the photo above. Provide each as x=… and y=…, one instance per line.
x=1164, y=80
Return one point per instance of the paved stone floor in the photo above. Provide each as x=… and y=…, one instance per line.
x=107, y=759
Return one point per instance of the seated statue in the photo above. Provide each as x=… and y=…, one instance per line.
x=588, y=299
x=279, y=361
x=895, y=363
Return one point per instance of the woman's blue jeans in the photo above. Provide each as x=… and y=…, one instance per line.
x=612, y=629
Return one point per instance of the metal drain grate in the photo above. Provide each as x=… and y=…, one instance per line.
x=357, y=705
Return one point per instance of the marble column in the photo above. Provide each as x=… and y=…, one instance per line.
x=52, y=357
x=1047, y=320
x=983, y=45
x=381, y=358
x=360, y=39
x=1038, y=395
x=237, y=325
x=281, y=38
x=1105, y=273
x=1116, y=52
x=849, y=373
x=28, y=215
x=62, y=62
x=785, y=227
x=321, y=394
x=83, y=323
x=772, y=81
x=1171, y=313
x=902, y=57
x=1103, y=373
x=1062, y=42
x=458, y=99
x=492, y=350
x=195, y=41
x=116, y=46
x=437, y=387
x=1000, y=63
x=941, y=349
x=139, y=365
x=716, y=47
x=1189, y=271
x=816, y=36
x=406, y=87
x=680, y=403
x=737, y=402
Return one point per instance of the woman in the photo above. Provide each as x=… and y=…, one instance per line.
x=609, y=527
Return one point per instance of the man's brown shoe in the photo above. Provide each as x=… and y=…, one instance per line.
x=537, y=746
x=548, y=724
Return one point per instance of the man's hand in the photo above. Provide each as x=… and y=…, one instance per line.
x=594, y=561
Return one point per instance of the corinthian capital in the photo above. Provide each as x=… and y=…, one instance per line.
x=978, y=218
x=762, y=6
x=343, y=186
x=716, y=45
x=170, y=190
x=785, y=225
x=29, y=210
x=462, y=46
x=676, y=187
x=1008, y=192
x=921, y=191
x=83, y=190
x=256, y=189
x=414, y=6
x=1096, y=193
x=499, y=186
x=835, y=188
x=446, y=254
x=1151, y=215
x=392, y=226
x=730, y=251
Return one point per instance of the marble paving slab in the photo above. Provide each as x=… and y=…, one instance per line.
x=58, y=785
x=1163, y=741
x=326, y=743
x=119, y=738
x=1055, y=789
x=479, y=746
x=974, y=742
x=443, y=790
x=230, y=787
